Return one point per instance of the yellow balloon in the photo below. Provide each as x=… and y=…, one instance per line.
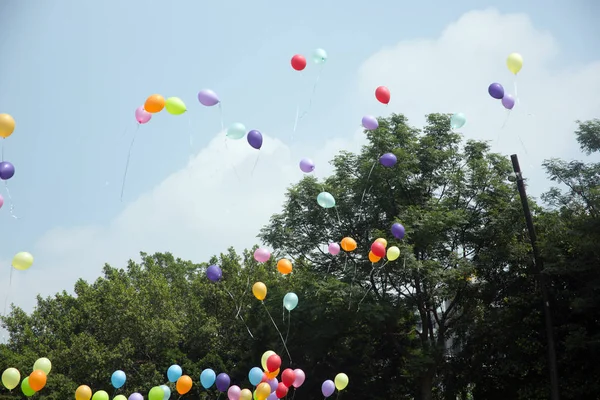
x=22, y=261
x=265, y=357
x=175, y=106
x=393, y=253
x=514, y=62
x=11, y=378
x=43, y=364
x=83, y=392
x=341, y=381
x=259, y=290
x=263, y=390
x=7, y=125
x=382, y=241
x=245, y=394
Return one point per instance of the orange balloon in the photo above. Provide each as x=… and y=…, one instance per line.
x=273, y=374
x=373, y=258
x=348, y=244
x=37, y=380
x=284, y=266
x=7, y=125
x=184, y=384
x=154, y=103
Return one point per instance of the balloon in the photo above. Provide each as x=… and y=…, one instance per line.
x=272, y=396
x=183, y=385
x=307, y=165
x=458, y=120
x=259, y=290
x=288, y=376
x=100, y=395
x=273, y=363
x=348, y=244
x=255, y=376
x=373, y=258
x=174, y=372
x=393, y=253
x=175, y=106
x=290, y=301
x=43, y=364
x=84, y=392
x=273, y=383
x=326, y=200
x=142, y=116
x=26, y=389
x=382, y=241
x=300, y=377
x=319, y=56
x=118, y=379
x=7, y=125
x=327, y=388
x=11, y=378
x=263, y=390
x=1, y=201
x=208, y=98
x=22, y=261
x=265, y=357
x=223, y=382
x=333, y=248
x=398, y=230
x=7, y=170
x=262, y=255
x=156, y=393
x=271, y=375
x=166, y=390
x=370, y=123
x=207, y=378
x=245, y=394
x=255, y=139
x=137, y=396
x=496, y=91
x=236, y=131
x=298, y=62
x=378, y=249
x=155, y=103
x=341, y=381
x=119, y=397
x=383, y=94
x=284, y=266
x=234, y=392
x=508, y=101
x=514, y=62
x=388, y=160
x=214, y=273
x=281, y=391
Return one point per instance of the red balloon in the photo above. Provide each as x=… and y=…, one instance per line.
x=281, y=391
x=273, y=363
x=299, y=62
x=383, y=95
x=265, y=378
x=288, y=376
x=378, y=249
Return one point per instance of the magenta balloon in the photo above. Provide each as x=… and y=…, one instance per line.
x=508, y=101
x=208, y=98
x=1, y=201
x=234, y=392
x=334, y=249
x=142, y=116
x=300, y=377
x=307, y=165
x=370, y=123
x=262, y=255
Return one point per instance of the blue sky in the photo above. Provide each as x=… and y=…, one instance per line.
x=73, y=72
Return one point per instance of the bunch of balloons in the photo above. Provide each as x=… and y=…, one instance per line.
x=32, y=384
x=340, y=383
x=378, y=251
x=156, y=103
x=267, y=386
x=514, y=62
x=7, y=170
x=298, y=61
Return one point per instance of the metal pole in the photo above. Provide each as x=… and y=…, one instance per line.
x=539, y=266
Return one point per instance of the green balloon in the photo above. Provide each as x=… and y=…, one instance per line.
x=120, y=397
x=26, y=389
x=319, y=56
x=43, y=364
x=11, y=378
x=175, y=106
x=236, y=131
x=326, y=200
x=156, y=393
x=100, y=395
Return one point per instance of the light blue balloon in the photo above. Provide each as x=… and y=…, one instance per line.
x=255, y=376
x=167, y=391
x=174, y=372
x=458, y=120
x=207, y=378
x=118, y=379
x=326, y=200
x=319, y=56
x=290, y=301
x=236, y=131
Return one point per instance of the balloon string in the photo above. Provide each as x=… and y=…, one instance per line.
x=11, y=204
x=287, y=335
x=255, y=163
x=3, y=149
x=221, y=116
x=191, y=138
x=516, y=92
x=127, y=162
x=365, y=191
x=8, y=290
x=238, y=314
x=278, y=331
x=371, y=286
x=310, y=101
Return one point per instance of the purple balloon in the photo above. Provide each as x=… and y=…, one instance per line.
x=388, y=160
x=223, y=382
x=398, y=230
x=273, y=383
x=214, y=273
x=255, y=139
x=7, y=170
x=508, y=101
x=496, y=90
x=307, y=165
x=370, y=123
x=272, y=396
x=327, y=388
x=135, y=396
x=208, y=98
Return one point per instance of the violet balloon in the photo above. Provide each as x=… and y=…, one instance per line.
x=208, y=98
x=272, y=396
x=370, y=123
x=214, y=273
x=334, y=249
x=273, y=383
x=307, y=165
x=508, y=101
x=223, y=382
x=7, y=170
x=388, y=160
x=255, y=139
x=496, y=90
x=135, y=396
x=327, y=388
x=142, y=116
x=398, y=230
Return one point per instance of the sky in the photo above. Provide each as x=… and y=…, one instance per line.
x=73, y=72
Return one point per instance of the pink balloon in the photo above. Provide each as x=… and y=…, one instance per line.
x=334, y=249
x=142, y=116
x=234, y=392
x=262, y=255
x=1, y=201
x=300, y=377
